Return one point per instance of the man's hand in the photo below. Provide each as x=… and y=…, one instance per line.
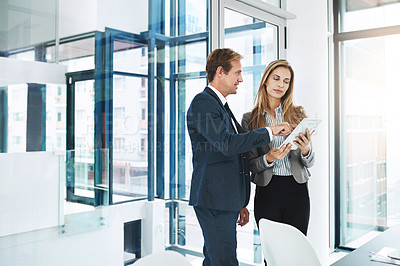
x=283, y=129
x=278, y=154
x=243, y=217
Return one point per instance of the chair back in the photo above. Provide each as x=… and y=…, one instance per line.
x=164, y=258
x=284, y=245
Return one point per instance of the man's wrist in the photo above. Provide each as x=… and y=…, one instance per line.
x=270, y=133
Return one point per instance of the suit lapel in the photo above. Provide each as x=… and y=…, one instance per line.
x=212, y=93
x=238, y=126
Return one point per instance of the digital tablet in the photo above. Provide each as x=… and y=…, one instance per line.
x=310, y=123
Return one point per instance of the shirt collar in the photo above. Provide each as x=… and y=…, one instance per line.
x=219, y=94
x=278, y=110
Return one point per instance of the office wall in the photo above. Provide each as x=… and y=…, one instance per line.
x=13, y=71
x=26, y=22
x=308, y=54
x=125, y=15
x=29, y=191
x=102, y=247
x=77, y=17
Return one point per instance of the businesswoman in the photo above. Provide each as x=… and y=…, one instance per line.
x=280, y=174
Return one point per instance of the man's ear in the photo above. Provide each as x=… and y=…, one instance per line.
x=220, y=71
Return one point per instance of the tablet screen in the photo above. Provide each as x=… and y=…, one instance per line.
x=310, y=123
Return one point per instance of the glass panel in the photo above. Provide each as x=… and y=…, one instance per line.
x=77, y=218
x=276, y=3
x=194, y=87
x=24, y=24
x=196, y=16
x=17, y=115
x=191, y=231
x=234, y=19
x=194, y=56
x=370, y=184
x=130, y=57
x=25, y=56
x=129, y=138
x=257, y=42
x=361, y=15
x=84, y=137
x=85, y=221
x=56, y=106
x=77, y=55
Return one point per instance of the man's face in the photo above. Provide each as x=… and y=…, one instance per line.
x=231, y=80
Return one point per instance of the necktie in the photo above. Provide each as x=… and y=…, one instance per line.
x=228, y=110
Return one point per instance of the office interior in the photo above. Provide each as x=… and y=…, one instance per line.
x=95, y=161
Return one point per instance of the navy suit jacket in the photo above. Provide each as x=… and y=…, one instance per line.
x=220, y=179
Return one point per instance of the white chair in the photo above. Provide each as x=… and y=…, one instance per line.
x=284, y=245
x=163, y=258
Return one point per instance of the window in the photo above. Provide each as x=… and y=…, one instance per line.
x=147, y=106
x=143, y=113
x=119, y=83
x=80, y=143
x=276, y=3
x=367, y=97
x=361, y=15
x=142, y=145
x=129, y=129
x=18, y=94
x=119, y=112
x=18, y=117
x=257, y=40
x=119, y=144
x=59, y=141
x=17, y=140
x=80, y=114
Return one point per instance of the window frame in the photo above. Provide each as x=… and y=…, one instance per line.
x=339, y=37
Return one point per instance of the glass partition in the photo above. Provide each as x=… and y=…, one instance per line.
x=111, y=102
x=76, y=175
x=370, y=185
x=25, y=27
x=129, y=138
x=257, y=42
x=17, y=116
x=361, y=15
x=276, y=3
x=43, y=182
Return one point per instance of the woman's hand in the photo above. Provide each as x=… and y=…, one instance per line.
x=278, y=154
x=303, y=142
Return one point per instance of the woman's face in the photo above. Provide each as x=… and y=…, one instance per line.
x=278, y=82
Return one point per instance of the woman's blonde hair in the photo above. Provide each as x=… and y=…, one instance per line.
x=290, y=113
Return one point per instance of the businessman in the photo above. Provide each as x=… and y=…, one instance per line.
x=220, y=187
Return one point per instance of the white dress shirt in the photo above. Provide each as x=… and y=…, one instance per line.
x=223, y=101
x=281, y=167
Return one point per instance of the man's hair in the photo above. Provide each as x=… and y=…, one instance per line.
x=220, y=57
